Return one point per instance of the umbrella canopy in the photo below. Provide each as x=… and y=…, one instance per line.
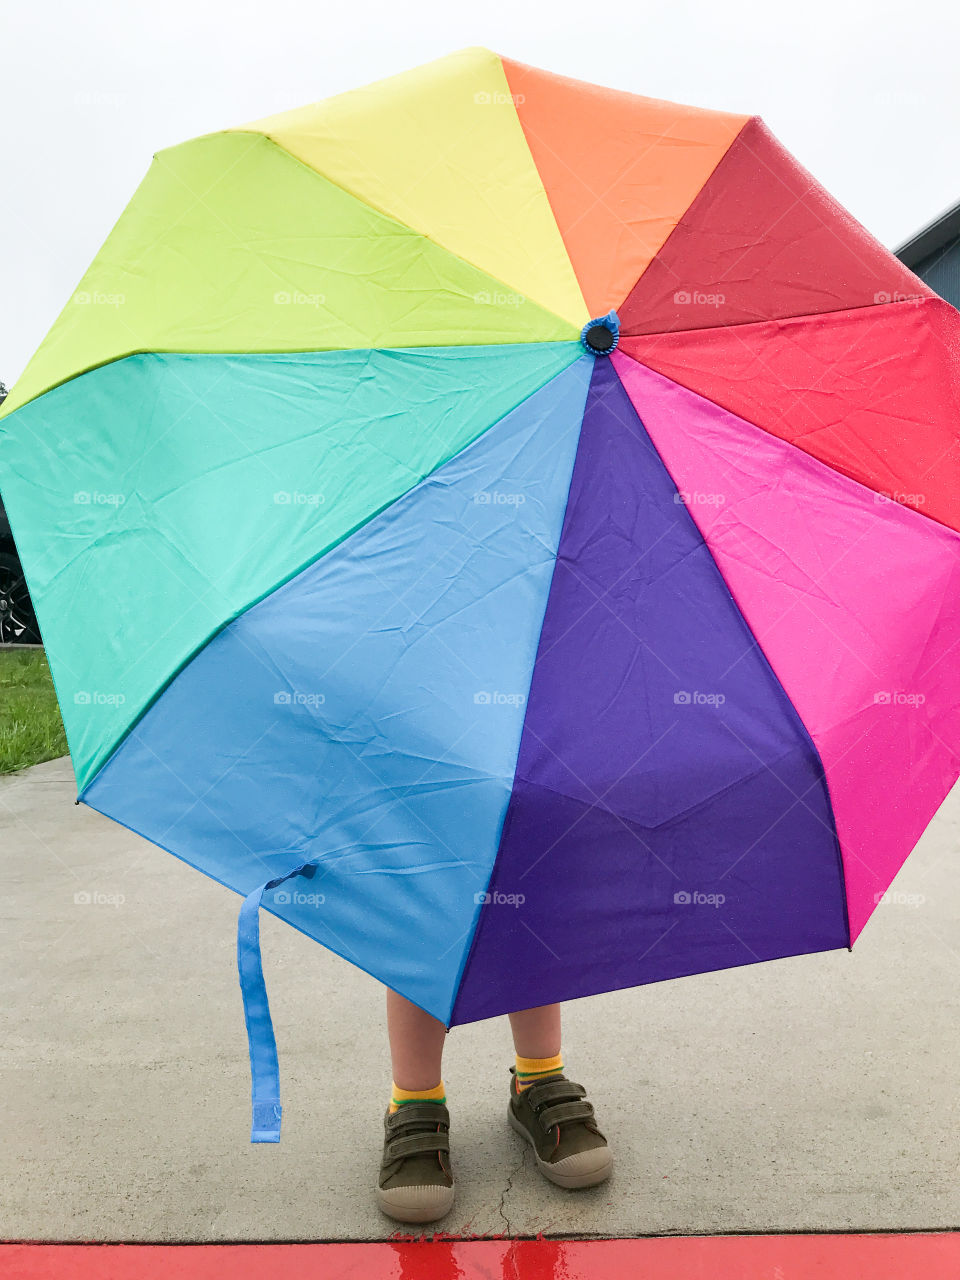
x=513, y=655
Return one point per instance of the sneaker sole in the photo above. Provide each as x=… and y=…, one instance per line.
x=415, y=1204
x=572, y=1181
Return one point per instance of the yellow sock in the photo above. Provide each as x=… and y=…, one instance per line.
x=399, y=1096
x=532, y=1070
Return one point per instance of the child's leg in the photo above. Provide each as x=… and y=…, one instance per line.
x=416, y=1050
x=416, y=1181
x=536, y=1032
x=548, y=1110
x=536, y=1040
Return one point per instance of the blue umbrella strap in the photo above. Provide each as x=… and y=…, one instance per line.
x=264, y=1066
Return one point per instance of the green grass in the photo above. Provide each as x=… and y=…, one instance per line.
x=30, y=726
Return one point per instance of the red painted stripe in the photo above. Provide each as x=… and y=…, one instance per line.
x=811, y=1257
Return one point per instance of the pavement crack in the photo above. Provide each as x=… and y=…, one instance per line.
x=506, y=1190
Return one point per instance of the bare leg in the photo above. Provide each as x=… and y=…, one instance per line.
x=416, y=1044
x=536, y=1032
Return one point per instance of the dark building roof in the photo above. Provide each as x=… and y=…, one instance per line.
x=944, y=228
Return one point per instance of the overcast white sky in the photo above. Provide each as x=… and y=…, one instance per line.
x=866, y=95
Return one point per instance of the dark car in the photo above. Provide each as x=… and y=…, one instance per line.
x=18, y=622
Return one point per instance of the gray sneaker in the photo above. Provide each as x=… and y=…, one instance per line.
x=559, y=1124
x=416, y=1182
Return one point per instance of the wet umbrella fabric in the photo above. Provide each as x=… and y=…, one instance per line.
x=508, y=529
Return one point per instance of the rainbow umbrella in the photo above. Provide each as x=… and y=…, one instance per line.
x=512, y=655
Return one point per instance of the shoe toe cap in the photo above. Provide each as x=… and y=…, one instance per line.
x=584, y=1168
x=416, y=1204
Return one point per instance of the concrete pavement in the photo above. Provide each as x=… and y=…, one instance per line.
x=817, y=1093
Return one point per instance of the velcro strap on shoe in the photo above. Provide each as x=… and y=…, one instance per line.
x=410, y=1113
x=416, y=1144
x=564, y=1112
x=554, y=1091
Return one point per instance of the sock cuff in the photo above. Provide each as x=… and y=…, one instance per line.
x=538, y=1066
x=399, y=1096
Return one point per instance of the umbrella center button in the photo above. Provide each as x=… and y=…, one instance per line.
x=601, y=336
